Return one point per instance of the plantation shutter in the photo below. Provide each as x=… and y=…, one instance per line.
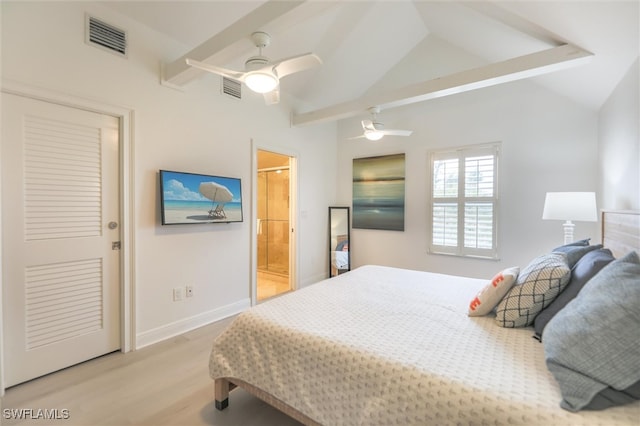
x=463, y=201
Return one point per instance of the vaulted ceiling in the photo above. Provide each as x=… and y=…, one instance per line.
x=390, y=53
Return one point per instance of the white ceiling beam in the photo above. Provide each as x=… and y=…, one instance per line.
x=522, y=67
x=515, y=21
x=178, y=73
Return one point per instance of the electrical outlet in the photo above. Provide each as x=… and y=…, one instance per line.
x=189, y=291
x=177, y=294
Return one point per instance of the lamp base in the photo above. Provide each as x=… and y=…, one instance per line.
x=568, y=231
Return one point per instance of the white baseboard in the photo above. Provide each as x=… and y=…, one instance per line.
x=167, y=331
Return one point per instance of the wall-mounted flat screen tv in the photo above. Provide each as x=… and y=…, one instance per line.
x=187, y=198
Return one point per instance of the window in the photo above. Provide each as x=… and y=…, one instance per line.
x=464, y=200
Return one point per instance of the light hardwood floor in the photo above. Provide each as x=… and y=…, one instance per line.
x=164, y=384
x=270, y=285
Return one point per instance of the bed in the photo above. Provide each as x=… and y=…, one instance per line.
x=385, y=346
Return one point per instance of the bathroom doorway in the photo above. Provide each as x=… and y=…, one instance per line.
x=273, y=227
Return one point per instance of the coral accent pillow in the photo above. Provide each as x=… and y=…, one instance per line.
x=489, y=297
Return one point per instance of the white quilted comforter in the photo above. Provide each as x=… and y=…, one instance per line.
x=387, y=346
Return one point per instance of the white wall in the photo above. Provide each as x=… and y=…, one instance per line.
x=196, y=130
x=548, y=144
x=619, y=144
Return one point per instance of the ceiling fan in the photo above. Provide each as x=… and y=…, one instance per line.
x=374, y=130
x=261, y=74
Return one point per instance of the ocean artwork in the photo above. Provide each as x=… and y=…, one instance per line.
x=378, y=192
x=194, y=198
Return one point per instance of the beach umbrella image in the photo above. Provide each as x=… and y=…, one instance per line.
x=219, y=195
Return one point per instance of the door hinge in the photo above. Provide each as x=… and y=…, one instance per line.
x=115, y=245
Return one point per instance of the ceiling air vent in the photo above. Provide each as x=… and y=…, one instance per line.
x=106, y=36
x=231, y=88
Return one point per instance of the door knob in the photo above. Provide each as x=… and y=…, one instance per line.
x=113, y=225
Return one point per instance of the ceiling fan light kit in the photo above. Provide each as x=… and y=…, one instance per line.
x=373, y=135
x=261, y=82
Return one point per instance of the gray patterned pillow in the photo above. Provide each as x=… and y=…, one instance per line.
x=537, y=285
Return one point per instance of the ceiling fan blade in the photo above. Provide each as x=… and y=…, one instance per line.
x=295, y=64
x=272, y=97
x=368, y=125
x=236, y=75
x=397, y=132
x=356, y=137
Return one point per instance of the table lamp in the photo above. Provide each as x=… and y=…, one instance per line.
x=570, y=206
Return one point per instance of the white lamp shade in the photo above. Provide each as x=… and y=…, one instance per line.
x=573, y=206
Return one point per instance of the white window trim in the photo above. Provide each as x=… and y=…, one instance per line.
x=461, y=153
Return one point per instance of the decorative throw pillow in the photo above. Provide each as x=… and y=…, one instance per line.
x=492, y=293
x=584, y=242
x=575, y=253
x=592, y=346
x=588, y=266
x=537, y=285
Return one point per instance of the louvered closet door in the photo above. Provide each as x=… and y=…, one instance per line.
x=60, y=274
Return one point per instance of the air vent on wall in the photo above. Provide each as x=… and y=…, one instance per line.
x=105, y=36
x=231, y=88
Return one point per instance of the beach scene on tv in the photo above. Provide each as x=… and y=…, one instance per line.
x=194, y=198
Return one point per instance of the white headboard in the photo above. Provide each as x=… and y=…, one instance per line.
x=621, y=231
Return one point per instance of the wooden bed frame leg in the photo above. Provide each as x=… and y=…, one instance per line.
x=222, y=387
x=221, y=405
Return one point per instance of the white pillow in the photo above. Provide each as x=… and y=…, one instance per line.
x=489, y=297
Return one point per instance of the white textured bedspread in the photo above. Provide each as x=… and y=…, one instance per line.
x=387, y=346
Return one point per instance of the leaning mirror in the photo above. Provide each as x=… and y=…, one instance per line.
x=339, y=252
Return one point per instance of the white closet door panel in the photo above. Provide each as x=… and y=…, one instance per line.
x=61, y=276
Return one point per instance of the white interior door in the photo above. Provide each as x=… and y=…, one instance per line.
x=60, y=230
